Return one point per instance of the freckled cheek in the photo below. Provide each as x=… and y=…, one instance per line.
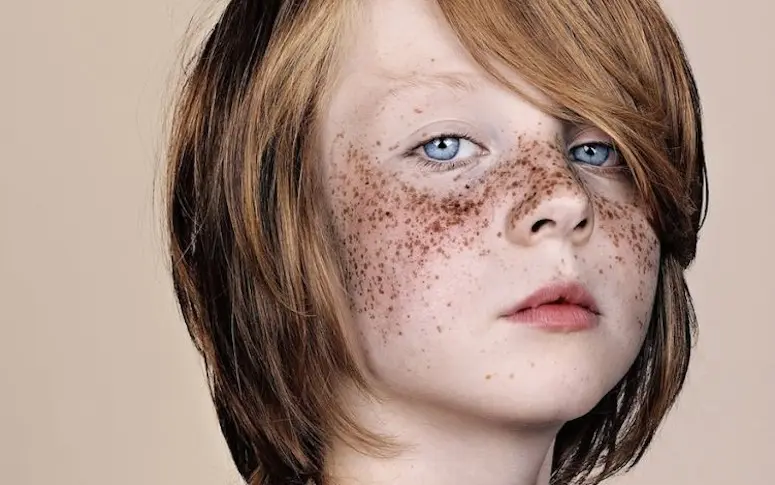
x=636, y=255
x=636, y=246
x=374, y=236
x=397, y=245
x=647, y=265
x=628, y=230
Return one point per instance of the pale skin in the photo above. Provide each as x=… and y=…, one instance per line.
x=452, y=205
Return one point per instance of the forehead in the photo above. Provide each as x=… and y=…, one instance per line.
x=399, y=36
x=399, y=44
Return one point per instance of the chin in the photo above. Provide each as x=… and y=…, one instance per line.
x=546, y=400
x=562, y=407
x=547, y=406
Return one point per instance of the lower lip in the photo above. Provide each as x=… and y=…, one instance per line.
x=556, y=317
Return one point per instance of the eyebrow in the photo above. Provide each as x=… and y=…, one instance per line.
x=457, y=82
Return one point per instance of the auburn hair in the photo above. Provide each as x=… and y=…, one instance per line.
x=254, y=268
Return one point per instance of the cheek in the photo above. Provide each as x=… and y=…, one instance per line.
x=635, y=255
x=396, y=241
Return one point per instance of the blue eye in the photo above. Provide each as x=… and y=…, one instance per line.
x=594, y=153
x=447, y=147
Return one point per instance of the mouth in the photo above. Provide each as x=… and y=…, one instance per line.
x=559, y=307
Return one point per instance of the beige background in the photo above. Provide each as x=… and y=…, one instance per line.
x=98, y=381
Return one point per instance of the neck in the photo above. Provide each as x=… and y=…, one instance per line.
x=440, y=447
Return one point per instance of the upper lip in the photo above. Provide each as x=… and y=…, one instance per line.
x=571, y=293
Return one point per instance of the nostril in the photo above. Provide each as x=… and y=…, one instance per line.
x=582, y=224
x=540, y=224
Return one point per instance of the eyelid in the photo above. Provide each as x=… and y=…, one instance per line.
x=588, y=134
x=476, y=131
x=462, y=134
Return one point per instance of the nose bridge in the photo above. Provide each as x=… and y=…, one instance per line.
x=556, y=205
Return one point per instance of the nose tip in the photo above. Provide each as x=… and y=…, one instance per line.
x=567, y=217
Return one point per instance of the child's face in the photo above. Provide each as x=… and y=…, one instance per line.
x=455, y=204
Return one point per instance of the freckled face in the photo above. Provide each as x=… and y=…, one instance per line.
x=454, y=203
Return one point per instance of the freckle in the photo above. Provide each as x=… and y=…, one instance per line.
x=379, y=143
x=488, y=376
x=439, y=328
x=417, y=110
x=511, y=376
x=500, y=234
x=532, y=364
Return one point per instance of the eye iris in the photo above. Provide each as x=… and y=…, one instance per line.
x=593, y=153
x=442, y=148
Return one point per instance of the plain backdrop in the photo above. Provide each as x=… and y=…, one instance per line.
x=99, y=383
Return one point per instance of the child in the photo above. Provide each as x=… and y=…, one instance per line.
x=438, y=242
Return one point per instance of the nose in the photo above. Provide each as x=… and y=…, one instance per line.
x=565, y=214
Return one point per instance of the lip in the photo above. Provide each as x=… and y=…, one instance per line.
x=563, y=307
